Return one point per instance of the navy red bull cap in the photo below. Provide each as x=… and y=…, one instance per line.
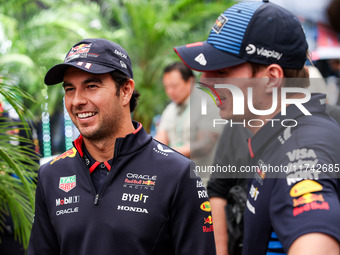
x=258, y=32
x=97, y=56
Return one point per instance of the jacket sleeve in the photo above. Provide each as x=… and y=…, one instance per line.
x=306, y=199
x=43, y=238
x=191, y=222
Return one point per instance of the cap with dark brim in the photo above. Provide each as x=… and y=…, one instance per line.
x=56, y=74
x=249, y=31
x=202, y=56
x=93, y=55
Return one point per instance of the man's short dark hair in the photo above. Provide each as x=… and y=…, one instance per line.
x=185, y=71
x=301, y=75
x=120, y=79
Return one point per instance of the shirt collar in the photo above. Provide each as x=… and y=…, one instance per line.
x=124, y=145
x=91, y=163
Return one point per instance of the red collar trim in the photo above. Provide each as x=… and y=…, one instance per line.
x=78, y=143
x=94, y=166
x=107, y=165
x=250, y=148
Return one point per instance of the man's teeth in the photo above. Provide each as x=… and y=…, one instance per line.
x=85, y=115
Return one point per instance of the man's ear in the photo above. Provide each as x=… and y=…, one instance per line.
x=275, y=76
x=126, y=91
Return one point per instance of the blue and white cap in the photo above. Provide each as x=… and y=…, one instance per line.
x=258, y=32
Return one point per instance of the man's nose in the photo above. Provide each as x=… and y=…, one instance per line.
x=206, y=80
x=79, y=98
x=207, y=75
x=170, y=91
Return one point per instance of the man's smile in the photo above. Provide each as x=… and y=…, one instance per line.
x=85, y=115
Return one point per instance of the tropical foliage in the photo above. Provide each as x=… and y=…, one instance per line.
x=18, y=166
x=36, y=35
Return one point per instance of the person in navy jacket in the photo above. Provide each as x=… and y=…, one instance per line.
x=254, y=61
x=117, y=191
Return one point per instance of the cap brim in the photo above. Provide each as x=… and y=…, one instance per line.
x=56, y=74
x=202, y=56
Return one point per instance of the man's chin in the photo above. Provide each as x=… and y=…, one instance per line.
x=225, y=115
x=86, y=133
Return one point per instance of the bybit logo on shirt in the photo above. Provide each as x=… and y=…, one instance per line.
x=136, y=198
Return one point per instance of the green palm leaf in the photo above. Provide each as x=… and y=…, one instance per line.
x=18, y=167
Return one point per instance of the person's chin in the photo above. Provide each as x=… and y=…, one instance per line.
x=179, y=102
x=87, y=132
x=225, y=114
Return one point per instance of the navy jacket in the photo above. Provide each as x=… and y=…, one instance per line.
x=150, y=203
x=295, y=186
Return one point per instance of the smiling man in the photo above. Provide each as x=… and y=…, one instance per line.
x=254, y=55
x=117, y=191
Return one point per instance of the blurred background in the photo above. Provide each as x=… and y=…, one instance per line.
x=37, y=34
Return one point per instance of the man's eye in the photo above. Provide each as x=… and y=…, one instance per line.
x=68, y=89
x=221, y=72
x=92, y=86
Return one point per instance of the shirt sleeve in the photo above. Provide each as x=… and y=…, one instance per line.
x=43, y=238
x=220, y=187
x=232, y=153
x=191, y=221
x=306, y=200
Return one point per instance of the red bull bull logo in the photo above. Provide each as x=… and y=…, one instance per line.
x=308, y=198
x=79, y=51
x=219, y=23
x=149, y=182
x=208, y=220
x=70, y=153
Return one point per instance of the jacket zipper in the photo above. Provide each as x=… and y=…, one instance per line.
x=110, y=176
x=96, y=199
